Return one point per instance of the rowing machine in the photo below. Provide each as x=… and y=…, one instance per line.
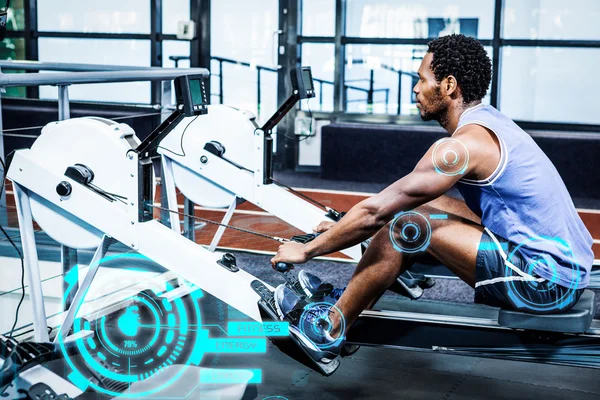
x=224, y=156
x=88, y=183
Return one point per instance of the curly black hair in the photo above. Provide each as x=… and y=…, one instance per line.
x=465, y=59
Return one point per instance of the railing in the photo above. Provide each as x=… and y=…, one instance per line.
x=85, y=73
x=259, y=68
x=371, y=91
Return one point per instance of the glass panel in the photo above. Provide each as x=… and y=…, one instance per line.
x=13, y=49
x=318, y=17
x=175, y=48
x=245, y=32
x=547, y=84
x=320, y=57
x=387, y=74
x=423, y=19
x=374, y=72
x=106, y=16
x=99, y=51
x=551, y=19
x=173, y=12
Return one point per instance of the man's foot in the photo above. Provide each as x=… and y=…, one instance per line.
x=285, y=300
x=312, y=323
x=313, y=286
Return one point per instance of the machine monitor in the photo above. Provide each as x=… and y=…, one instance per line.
x=302, y=82
x=190, y=93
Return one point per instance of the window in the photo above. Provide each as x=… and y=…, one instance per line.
x=175, y=48
x=245, y=32
x=551, y=19
x=377, y=76
x=320, y=57
x=318, y=17
x=423, y=19
x=549, y=84
x=174, y=11
x=108, y=16
x=99, y=51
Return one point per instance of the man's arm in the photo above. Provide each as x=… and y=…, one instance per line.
x=423, y=184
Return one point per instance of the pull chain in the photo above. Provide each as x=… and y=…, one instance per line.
x=275, y=238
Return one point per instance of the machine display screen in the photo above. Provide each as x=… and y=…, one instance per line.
x=306, y=75
x=196, y=92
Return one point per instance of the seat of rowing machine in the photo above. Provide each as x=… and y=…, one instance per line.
x=576, y=320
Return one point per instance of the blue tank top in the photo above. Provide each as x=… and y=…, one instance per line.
x=526, y=201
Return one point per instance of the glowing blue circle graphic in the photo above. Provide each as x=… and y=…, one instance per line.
x=549, y=265
x=414, y=230
x=315, y=315
x=454, y=157
x=139, y=340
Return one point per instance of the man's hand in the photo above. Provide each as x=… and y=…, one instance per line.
x=324, y=226
x=292, y=252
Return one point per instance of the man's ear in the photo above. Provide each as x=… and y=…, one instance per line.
x=451, y=85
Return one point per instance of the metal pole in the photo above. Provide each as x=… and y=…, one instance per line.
x=30, y=260
x=3, y=209
x=78, y=294
x=370, y=92
x=220, y=82
x=258, y=93
x=321, y=95
x=494, y=93
x=399, y=92
x=31, y=40
x=68, y=256
x=189, y=226
x=339, y=91
x=64, y=111
x=165, y=99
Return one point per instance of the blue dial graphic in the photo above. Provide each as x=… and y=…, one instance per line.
x=410, y=232
x=141, y=334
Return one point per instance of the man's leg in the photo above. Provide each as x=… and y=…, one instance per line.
x=454, y=242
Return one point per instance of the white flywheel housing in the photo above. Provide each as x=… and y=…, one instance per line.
x=231, y=127
x=94, y=142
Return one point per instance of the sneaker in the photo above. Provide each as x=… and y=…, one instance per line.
x=310, y=283
x=313, y=286
x=311, y=326
x=285, y=300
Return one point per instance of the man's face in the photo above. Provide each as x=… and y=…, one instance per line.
x=430, y=100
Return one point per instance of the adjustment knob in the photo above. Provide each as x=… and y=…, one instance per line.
x=64, y=189
x=228, y=259
x=283, y=267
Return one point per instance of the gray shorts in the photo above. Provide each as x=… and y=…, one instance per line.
x=507, y=284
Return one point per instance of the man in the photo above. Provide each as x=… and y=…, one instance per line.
x=516, y=238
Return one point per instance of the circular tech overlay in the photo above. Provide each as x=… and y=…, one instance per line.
x=147, y=333
x=450, y=157
x=316, y=317
x=410, y=232
x=547, y=264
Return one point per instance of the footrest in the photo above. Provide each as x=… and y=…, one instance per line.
x=576, y=320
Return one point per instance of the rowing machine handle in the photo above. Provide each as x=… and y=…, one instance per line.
x=283, y=267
